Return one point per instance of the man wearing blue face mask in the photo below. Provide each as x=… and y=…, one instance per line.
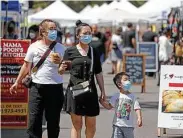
x=46, y=88
x=125, y=104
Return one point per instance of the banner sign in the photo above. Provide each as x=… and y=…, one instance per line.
x=134, y=66
x=170, y=112
x=14, y=108
x=150, y=49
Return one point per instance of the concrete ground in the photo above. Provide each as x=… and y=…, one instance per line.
x=149, y=104
x=148, y=101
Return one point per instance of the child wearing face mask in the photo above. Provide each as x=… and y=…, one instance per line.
x=125, y=105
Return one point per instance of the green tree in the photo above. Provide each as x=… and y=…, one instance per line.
x=41, y=4
x=138, y=3
x=79, y=5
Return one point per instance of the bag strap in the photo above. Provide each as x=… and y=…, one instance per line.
x=91, y=67
x=43, y=58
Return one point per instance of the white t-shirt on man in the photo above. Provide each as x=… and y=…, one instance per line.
x=48, y=71
x=124, y=105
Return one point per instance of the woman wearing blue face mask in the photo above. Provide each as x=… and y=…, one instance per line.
x=46, y=90
x=86, y=104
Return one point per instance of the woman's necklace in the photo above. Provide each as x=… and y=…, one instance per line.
x=82, y=51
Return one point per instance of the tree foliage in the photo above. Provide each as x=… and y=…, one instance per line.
x=138, y=3
x=79, y=5
x=40, y=4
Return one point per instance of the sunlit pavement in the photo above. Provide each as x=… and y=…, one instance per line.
x=149, y=104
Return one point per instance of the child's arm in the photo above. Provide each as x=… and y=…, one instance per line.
x=139, y=117
x=138, y=111
x=105, y=104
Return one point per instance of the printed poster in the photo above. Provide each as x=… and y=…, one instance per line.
x=170, y=114
x=14, y=108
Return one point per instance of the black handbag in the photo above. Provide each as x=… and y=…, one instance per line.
x=85, y=86
x=27, y=81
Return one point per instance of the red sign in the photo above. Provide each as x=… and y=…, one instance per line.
x=14, y=108
x=175, y=84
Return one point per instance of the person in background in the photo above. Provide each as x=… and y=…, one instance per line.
x=11, y=34
x=98, y=42
x=149, y=36
x=165, y=51
x=68, y=40
x=129, y=41
x=125, y=104
x=116, y=51
x=46, y=91
x=59, y=33
x=85, y=105
x=179, y=52
x=59, y=36
x=108, y=43
x=120, y=29
x=33, y=33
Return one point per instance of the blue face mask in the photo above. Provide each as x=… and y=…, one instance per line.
x=126, y=85
x=86, y=39
x=52, y=35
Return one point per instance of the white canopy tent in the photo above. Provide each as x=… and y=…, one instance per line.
x=104, y=6
x=92, y=12
x=155, y=8
x=118, y=15
x=86, y=9
x=59, y=12
x=124, y=5
x=119, y=12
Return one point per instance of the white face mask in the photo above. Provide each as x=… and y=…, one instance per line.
x=32, y=35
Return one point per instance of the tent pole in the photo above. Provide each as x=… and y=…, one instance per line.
x=27, y=23
x=24, y=12
x=6, y=21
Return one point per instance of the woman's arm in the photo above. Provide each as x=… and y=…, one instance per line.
x=105, y=104
x=100, y=81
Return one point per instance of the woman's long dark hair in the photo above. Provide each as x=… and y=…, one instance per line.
x=34, y=28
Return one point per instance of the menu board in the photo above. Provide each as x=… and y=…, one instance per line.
x=150, y=49
x=14, y=107
x=170, y=111
x=133, y=65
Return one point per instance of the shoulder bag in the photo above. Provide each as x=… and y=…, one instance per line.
x=27, y=81
x=85, y=86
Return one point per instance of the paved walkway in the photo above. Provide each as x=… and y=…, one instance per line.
x=149, y=104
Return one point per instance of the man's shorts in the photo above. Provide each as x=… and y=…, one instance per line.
x=122, y=132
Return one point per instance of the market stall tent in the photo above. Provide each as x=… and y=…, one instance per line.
x=13, y=13
x=155, y=8
x=124, y=5
x=85, y=10
x=59, y=12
